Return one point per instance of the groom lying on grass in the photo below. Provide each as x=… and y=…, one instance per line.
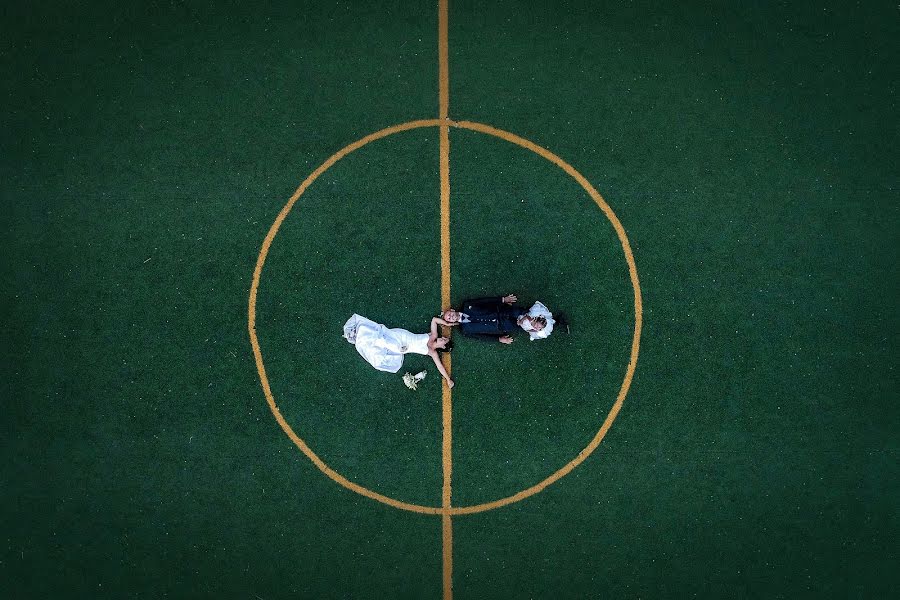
x=497, y=317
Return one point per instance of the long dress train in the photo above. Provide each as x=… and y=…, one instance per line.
x=383, y=348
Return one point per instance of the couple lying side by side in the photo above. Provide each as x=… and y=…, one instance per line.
x=384, y=348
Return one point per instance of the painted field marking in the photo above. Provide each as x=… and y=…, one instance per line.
x=629, y=372
x=447, y=510
x=446, y=392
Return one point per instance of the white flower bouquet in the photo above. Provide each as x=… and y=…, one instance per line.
x=412, y=381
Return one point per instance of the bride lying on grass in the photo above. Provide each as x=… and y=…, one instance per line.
x=384, y=348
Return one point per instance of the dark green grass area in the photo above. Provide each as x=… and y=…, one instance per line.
x=139, y=456
x=520, y=224
x=749, y=151
x=749, y=154
x=364, y=239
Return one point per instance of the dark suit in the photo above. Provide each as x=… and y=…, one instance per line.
x=489, y=316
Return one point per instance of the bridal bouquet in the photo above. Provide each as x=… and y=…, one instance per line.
x=412, y=381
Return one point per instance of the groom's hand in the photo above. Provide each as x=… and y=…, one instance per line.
x=506, y=339
x=510, y=299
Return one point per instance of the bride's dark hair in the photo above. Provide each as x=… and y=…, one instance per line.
x=447, y=348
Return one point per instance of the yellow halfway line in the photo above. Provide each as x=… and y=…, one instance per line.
x=446, y=395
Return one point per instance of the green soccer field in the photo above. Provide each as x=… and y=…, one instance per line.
x=192, y=209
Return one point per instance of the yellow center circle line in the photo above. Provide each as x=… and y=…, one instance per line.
x=635, y=344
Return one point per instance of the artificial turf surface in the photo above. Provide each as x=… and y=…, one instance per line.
x=749, y=151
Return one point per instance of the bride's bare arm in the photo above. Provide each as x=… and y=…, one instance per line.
x=435, y=321
x=440, y=367
x=442, y=322
x=434, y=326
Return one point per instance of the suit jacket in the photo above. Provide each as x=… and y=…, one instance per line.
x=490, y=316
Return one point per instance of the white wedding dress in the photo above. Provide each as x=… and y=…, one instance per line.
x=383, y=348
